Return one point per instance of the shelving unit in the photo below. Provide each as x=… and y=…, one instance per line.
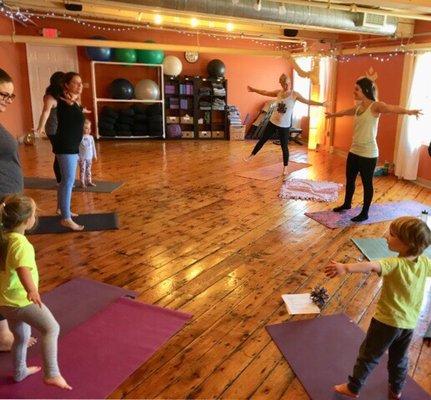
x=208, y=123
x=97, y=100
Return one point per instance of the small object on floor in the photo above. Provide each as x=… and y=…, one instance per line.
x=51, y=184
x=270, y=171
x=300, y=304
x=320, y=296
x=305, y=189
x=71, y=213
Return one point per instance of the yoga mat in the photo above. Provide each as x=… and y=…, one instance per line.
x=72, y=303
x=377, y=248
x=271, y=171
x=322, y=352
x=91, y=222
x=306, y=189
x=51, y=184
x=100, y=354
x=377, y=213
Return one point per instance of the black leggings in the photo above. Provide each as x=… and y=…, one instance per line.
x=364, y=166
x=269, y=132
x=55, y=166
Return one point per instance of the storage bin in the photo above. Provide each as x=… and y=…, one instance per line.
x=204, y=134
x=217, y=134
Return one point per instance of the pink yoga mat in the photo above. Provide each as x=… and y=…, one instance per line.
x=322, y=352
x=271, y=171
x=377, y=213
x=97, y=356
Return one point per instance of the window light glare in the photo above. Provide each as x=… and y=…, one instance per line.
x=158, y=19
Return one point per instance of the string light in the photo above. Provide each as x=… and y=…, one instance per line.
x=282, y=9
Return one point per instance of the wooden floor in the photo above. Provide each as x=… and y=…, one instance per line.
x=197, y=238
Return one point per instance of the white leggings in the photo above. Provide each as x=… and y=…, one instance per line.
x=20, y=320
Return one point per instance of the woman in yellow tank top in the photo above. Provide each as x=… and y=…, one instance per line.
x=364, y=152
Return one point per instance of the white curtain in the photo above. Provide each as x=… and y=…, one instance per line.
x=302, y=86
x=413, y=132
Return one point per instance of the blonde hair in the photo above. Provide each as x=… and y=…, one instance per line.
x=15, y=209
x=413, y=232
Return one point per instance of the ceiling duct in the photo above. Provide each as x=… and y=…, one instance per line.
x=297, y=15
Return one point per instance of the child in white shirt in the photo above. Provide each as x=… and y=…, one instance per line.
x=87, y=152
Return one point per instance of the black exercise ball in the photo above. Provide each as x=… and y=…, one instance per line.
x=216, y=68
x=121, y=89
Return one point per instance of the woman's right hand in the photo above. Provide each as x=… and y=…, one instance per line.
x=250, y=89
x=328, y=115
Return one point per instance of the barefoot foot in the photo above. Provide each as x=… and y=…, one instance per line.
x=28, y=372
x=69, y=223
x=344, y=390
x=72, y=214
x=58, y=381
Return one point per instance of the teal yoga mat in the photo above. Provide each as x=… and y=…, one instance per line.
x=377, y=248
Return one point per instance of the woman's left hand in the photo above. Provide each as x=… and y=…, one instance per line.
x=86, y=111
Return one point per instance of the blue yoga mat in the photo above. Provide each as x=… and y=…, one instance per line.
x=377, y=248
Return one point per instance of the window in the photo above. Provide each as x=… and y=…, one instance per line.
x=420, y=98
x=302, y=86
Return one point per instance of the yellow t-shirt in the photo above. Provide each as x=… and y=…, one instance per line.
x=402, y=291
x=20, y=253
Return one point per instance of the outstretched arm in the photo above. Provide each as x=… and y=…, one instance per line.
x=273, y=93
x=342, y=113
x=309, y=102
x=383, y=108
x=335, y=268
x=48, y=103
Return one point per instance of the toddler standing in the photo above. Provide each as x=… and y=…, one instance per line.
x=87, y=152
x=398, y=307
x=20, y=301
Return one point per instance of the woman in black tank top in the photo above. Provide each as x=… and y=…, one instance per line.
x=70, y=119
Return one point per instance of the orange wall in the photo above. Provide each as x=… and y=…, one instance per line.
x=240, y=70
x=389, y=85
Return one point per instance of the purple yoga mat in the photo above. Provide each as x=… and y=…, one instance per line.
x=322, y=352
x=72, y=303
x=100, y=354
x=377, y=213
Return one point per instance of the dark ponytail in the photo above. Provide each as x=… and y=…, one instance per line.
x=55, y=88
x=368, y=88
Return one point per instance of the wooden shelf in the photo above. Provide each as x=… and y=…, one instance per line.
x=128, y=101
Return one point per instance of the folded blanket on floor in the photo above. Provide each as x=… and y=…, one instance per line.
x=309, y=190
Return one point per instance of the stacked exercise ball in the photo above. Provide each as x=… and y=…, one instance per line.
x=125, y=55
x=216, y=68
x=121, y=89
x=172, y=66
x=146, y=89
x=98, y=53
x=150, y=56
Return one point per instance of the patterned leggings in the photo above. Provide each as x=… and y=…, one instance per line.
x=85, y=171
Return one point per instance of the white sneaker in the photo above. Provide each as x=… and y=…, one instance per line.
x=72, y=214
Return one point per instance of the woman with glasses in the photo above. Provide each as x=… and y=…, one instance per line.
x=70, y=125
x=11, y=180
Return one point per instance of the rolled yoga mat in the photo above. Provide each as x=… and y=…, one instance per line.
x=100, y=354
x=271, y=171
x=91, y=222
x=322, y=353
x=378, y=213
x=377, y=248
x=51, y=184
x=72, y=303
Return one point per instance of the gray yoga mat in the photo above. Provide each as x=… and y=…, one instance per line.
x=91, y=222
x=322, y=352
x=51, y=184
x=377, y=248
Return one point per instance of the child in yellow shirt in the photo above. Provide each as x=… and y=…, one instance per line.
x=20, y=301
x=398, y=307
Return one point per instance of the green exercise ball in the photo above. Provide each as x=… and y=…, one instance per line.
x=125, y=55
x=150, y=56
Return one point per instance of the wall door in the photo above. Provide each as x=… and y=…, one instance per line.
x=42, y=62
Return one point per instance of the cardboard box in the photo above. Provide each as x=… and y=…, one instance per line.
x=237, y=132
x=205, y=134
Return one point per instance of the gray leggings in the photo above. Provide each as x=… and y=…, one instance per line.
x=20, y=320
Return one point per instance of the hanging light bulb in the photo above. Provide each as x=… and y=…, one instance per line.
x=258, y=5
x=282, y=9
x=158, y=19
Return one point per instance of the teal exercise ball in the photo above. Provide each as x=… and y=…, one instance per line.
x=150, y=56
x=125, y=55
